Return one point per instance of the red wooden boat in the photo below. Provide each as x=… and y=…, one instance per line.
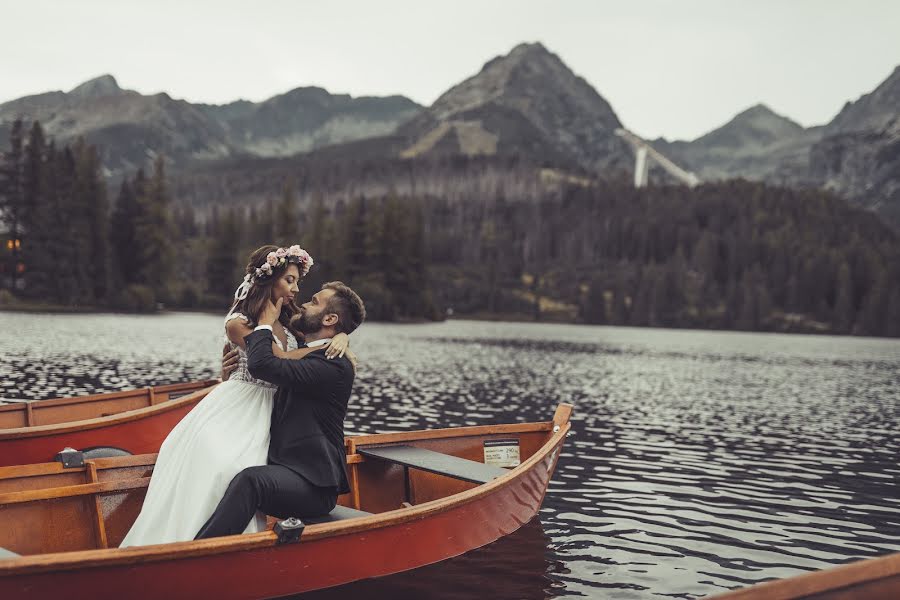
x=416, y=498
x=135, y=420
x=872, y=579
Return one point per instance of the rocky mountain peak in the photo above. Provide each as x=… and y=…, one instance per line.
x=756, y=111
x=528, y=97
x=105, y=85
x=877, y=112
x=528, y=72
x=758, y=125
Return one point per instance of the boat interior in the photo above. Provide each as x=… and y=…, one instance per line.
x=80, y=408
x=49, y=508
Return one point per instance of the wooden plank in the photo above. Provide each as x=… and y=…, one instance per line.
x=29, y=415
x=562, y=414
x=115, y=462
x=436, y=434
x=354, y=485
x=73, y=490
x=99, y=525
x=152, y=394
x=50, y=468
x=435, y=462
x=340, y=513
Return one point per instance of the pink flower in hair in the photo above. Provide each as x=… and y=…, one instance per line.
x=281, y=253
x=295, y=250
x=271, y=259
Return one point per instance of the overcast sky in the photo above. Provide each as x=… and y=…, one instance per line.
x=676, y=68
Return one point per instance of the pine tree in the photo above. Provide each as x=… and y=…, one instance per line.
x=619, y=314
x=640, y=313
x=33, y=194
x=490, y=259
x=11, y=195
x=264, y=230
x=122, y=236
x=285, y=219
x=223, y=263
x=875, y=307
x=748, y=318
x=49, y=265
x=418, y=299
x=594, y=308
x=844, y=314
x=354, y=260
x=74, y=210
x=153, y=229
x=892, y=318
x=93, y=200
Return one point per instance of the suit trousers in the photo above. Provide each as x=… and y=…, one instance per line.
x=273, y=489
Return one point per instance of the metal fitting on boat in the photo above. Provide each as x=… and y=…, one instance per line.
x=70, y=458
x=289, y=530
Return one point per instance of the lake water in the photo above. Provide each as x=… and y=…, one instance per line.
x=700, y=461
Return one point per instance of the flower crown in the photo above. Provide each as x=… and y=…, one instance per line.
x=293, y=255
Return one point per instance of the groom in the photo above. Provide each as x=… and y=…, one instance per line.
x=306, y=464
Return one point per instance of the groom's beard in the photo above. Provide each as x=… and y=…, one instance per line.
x=307, y=323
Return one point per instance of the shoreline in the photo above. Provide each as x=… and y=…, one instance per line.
x=50, y=309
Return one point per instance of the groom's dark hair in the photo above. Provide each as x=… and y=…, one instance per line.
x=347, y=305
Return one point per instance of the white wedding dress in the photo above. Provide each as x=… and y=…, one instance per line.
x=225, y=433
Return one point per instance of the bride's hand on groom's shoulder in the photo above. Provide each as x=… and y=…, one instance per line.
x=229, y=361
x=271, y=312
x=338, y=346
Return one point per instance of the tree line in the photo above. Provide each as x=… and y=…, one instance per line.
x=731, y=255
x=64, y=245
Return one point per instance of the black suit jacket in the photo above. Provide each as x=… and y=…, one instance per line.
x=307, y=431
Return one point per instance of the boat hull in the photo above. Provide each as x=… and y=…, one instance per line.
x=252, y=567
x=139, y=431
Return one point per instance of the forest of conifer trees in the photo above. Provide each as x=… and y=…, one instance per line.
x=730, y=255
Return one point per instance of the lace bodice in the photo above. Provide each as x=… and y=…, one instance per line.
x=241, y=373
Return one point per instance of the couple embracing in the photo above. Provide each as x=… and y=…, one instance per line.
x=269, y=440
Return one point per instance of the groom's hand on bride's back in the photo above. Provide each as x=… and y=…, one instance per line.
x=229, y=361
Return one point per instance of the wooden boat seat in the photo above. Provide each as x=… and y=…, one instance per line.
x=4, y=553
x=435, y=462
x=340, y=513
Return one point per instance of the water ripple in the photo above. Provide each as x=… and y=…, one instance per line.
x=700, y=461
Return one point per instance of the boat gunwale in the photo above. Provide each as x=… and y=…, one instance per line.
x=108, y=557
x=88, y=398
x=127, y=416
x=830, y=579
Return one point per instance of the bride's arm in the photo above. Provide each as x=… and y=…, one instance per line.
x=298, y=353
x=237, y=329
x=337, y=347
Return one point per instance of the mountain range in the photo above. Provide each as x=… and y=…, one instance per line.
x=131, y=128
x=527, y=104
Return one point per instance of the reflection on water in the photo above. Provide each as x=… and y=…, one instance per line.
x=513, y=568
x=700, y=460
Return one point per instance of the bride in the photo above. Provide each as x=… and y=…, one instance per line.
x=229, y=429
